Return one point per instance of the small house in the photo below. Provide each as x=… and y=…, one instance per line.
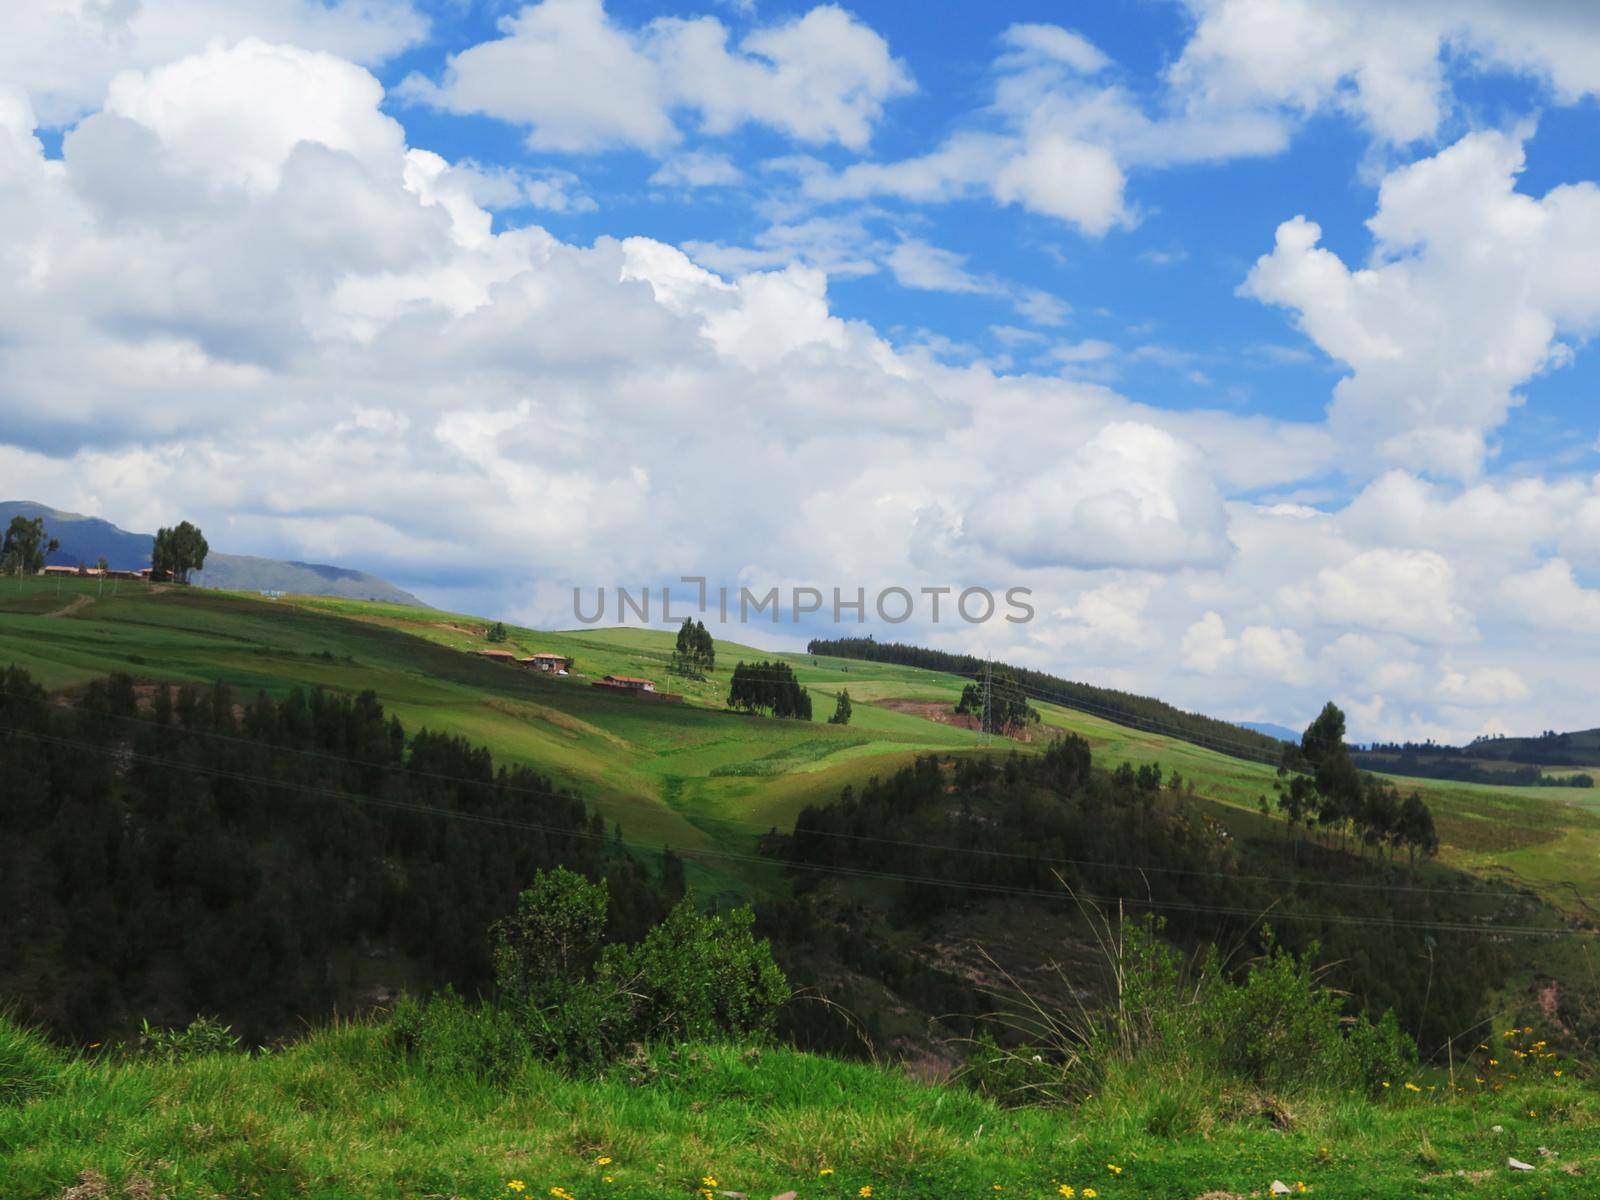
x=545, y=661
x=631, y=683
x=60, y=571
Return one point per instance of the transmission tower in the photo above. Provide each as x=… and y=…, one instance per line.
x=988, y=724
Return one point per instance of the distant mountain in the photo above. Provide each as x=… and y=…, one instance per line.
x=84, y=540
x=1282, y=732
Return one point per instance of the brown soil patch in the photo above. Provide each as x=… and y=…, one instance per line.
x=944, y=714
x=71, y=606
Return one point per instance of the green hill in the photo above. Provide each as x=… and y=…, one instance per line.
x=715, y=786
x=690, y=775
x=907, y=905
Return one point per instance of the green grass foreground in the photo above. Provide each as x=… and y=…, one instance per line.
x=340, y=1114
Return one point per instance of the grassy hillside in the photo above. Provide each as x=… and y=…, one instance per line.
x=693, y=776
x=341, y=1115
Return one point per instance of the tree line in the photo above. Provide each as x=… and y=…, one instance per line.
x=167, y=851
x=970, y=833
x=1319, y=784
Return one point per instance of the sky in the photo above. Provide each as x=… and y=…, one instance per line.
x=1253, y=337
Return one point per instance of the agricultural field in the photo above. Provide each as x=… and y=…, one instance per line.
x=693, y=776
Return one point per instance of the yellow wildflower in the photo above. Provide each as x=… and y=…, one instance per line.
x=1114, y=1169
x=865, y=1191
x=709, y=1181
x=1411, y=1087
x=1557, y=1074
x=603, y=1161
x=609, y=1178
x=1089, y=1194
x=1300, y=1186
x=1067, y=1190
x=516, y=1185
x=825, y=1171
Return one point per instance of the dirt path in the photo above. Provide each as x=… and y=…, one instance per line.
x=72, y=606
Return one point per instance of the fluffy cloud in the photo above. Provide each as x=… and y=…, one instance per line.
x=1411, y=592
x=1133, y=496
x=1260, y=651
x=1550, y=597
x=1471, y=288
x=206, y=114
x=1381, y=61
x=63, y=53
x=1060, y=140
x=580, y=81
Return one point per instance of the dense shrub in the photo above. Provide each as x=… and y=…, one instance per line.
x=697, y=978
x=564, y=997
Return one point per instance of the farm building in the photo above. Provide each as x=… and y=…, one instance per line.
x=60, y=571
x=545, y=661
x=632, y=685
x=500, y=656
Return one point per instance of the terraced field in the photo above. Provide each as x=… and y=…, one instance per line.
x=692, y=775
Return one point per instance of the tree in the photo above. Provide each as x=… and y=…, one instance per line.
x=1415, y=830
x=25, y=547
x=1380, y=813
x=1009, y=711
x=497, y=632
x=841, y=709
x=1324, y=737
x=177, y=551
x=695, y=653
x=769, y=687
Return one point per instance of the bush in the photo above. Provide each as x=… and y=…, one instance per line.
x=202, y=1036
x=697, y=978
x=1276, y=1026
x=563, y=998
x=553, y=936
x=29, y=1066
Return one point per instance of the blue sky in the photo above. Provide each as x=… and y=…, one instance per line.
x=1167, y=284
x=1255, y=337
